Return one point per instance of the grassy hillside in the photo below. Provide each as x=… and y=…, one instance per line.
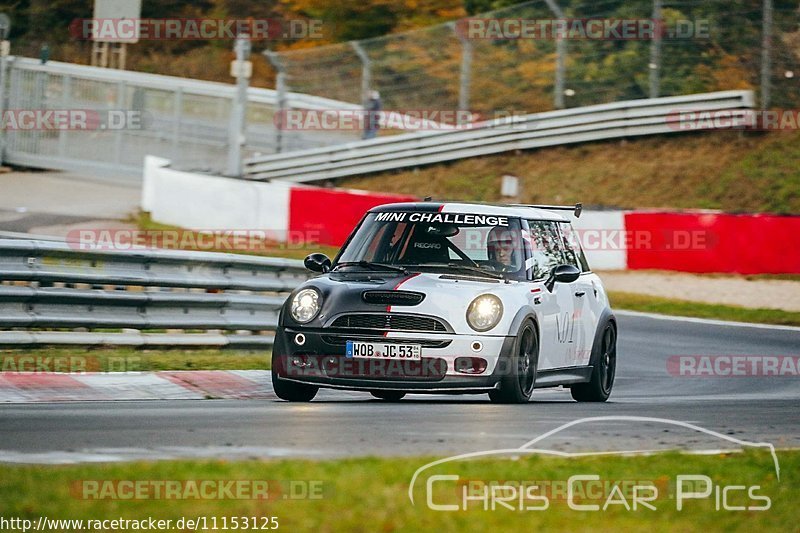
x=732, y=171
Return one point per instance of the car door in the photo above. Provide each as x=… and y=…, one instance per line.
x=560, y=335
x=587, y=310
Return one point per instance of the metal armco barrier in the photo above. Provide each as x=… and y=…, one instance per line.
x=56, y=285
x=591, y=123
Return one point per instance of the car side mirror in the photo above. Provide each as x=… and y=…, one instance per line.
x=317, y=263
x=562, y=274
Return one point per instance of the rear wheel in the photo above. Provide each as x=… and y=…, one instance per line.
x=517, y=385
x=598, y=389
x=289, y=390
x=388, y=395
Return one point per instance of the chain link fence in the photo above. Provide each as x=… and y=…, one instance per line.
x=708, y=45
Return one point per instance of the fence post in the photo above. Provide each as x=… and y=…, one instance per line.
x=5, y=50
x=366, y=71
x=10, y=137
x=465, y=78
x=766, y=53
x=66, y=103
x=177, y=113
x=3, y=68
x=280, y=87
x=236, y=132
x=561, y=57
x=118, y=134
x=655, y=52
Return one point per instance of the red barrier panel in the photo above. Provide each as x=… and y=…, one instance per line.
x=328, y=216
x=715, y=242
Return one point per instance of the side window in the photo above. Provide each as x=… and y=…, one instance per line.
x=572, y=246
x=569, y=250
x=547, y=249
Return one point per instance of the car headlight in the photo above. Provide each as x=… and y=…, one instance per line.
x=305, y=305
x=484, y=312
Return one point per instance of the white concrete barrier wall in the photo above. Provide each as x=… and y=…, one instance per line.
x=611, y=239
x=203, y=202
x=198, y=201
x=602, y=235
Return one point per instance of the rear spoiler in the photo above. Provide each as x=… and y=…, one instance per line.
x=576, y=209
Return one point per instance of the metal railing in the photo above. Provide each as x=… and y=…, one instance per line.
x=139, y=297
x=590, y=123
x=184, y=120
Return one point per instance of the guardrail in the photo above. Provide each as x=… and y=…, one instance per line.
x=591, y=123
x=48, y=287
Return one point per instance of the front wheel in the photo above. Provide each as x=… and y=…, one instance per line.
x=598, y=389
x=517, y=385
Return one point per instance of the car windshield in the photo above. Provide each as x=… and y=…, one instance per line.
x=463, y=243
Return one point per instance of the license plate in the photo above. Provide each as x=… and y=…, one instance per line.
x=377, y=350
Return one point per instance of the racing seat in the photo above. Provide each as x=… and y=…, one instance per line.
x=426, y=248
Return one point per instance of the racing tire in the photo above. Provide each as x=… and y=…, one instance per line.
x=517, y=384
x=388, y=395
x=598, y=389
x=289, y=390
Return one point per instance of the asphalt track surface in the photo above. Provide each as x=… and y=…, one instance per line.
x=337, y=424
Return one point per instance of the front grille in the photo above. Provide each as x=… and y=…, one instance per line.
x=389, y=322
x=337, y=340
x=392, y=297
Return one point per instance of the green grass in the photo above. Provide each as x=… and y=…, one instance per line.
x=370, y=494
x=111, y=359
x=725, y=170
x=668, y=306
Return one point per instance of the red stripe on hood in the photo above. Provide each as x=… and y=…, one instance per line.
x=389, y=307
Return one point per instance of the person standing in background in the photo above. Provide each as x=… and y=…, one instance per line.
x=373, y=119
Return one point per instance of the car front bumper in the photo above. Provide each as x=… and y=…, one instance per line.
x=320, y=360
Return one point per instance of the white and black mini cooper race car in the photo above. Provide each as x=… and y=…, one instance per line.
x=450, y=298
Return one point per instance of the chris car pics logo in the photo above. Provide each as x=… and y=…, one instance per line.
x=585, y=491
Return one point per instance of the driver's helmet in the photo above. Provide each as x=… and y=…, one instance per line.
x=504, y=245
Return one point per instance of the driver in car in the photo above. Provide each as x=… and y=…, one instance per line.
x=503, y=248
